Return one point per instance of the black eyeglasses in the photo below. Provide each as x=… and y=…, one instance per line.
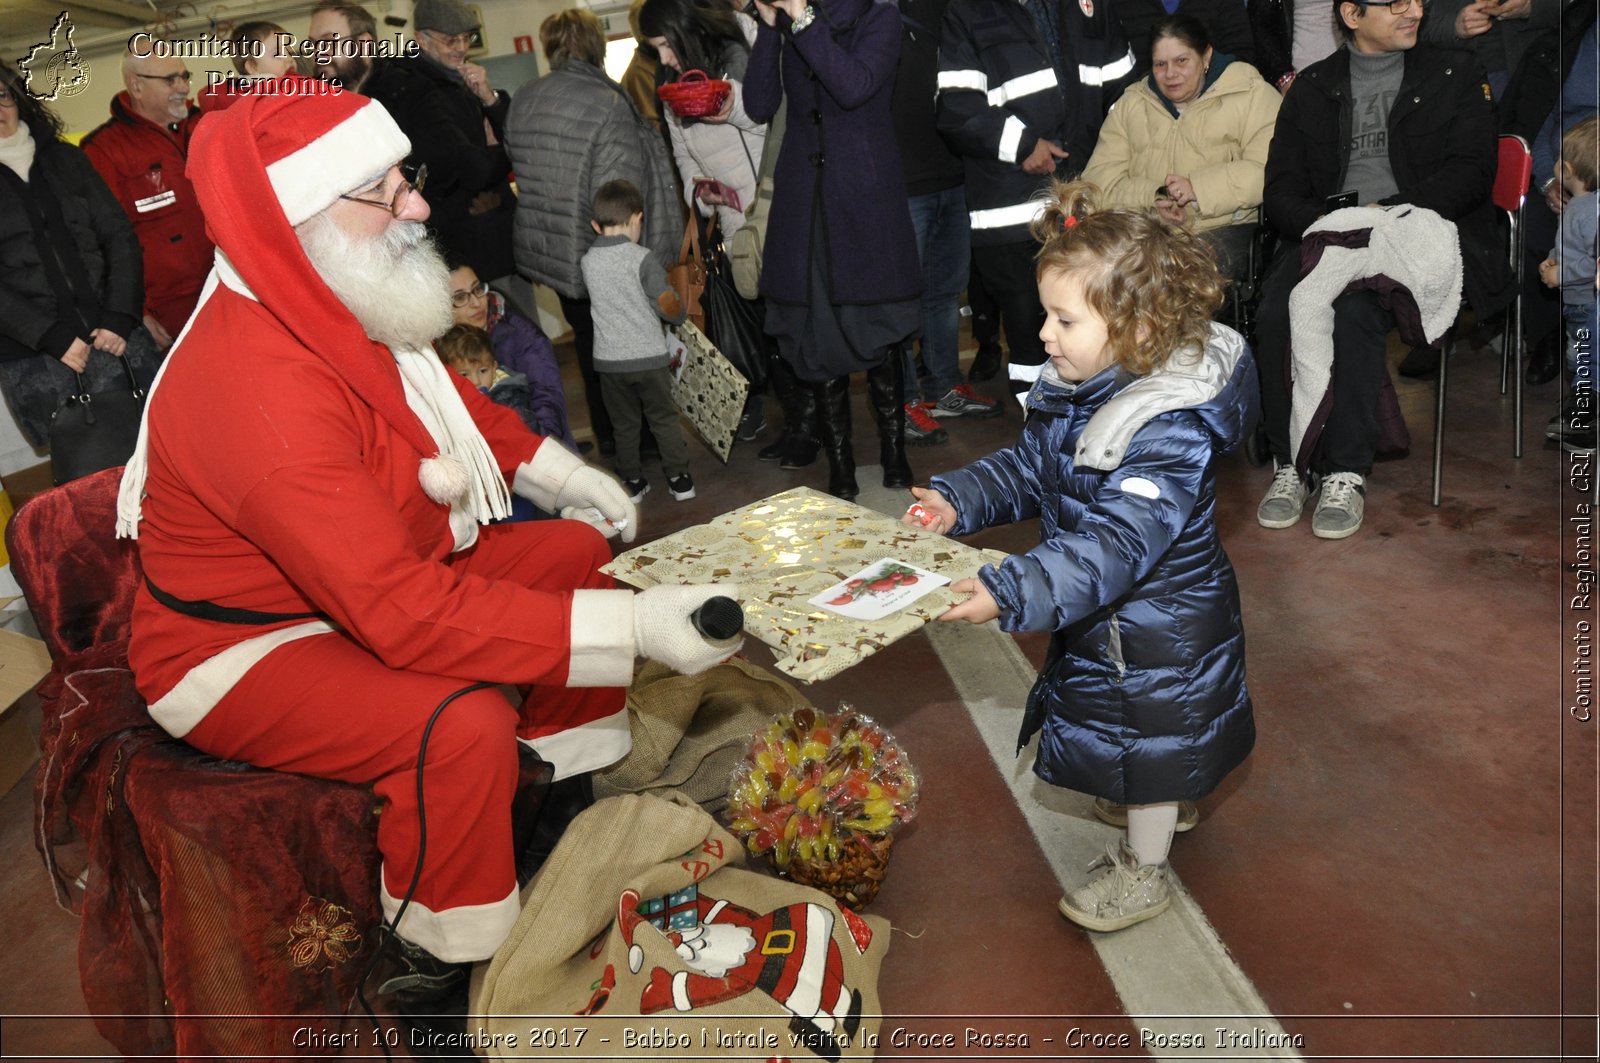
x=172, y=80
x=451, y=40
x=412, y=178
x=1396, y=7
x=477, y=291
x=7, y=97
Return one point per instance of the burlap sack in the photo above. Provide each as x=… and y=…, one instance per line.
x=636, y=940
x=690, y=730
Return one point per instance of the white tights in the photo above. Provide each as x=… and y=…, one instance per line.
x=1150, y=830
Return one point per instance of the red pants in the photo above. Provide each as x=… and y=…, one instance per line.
x=324, y=706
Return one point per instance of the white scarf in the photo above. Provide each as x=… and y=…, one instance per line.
x=16, y=151
x=464, y=475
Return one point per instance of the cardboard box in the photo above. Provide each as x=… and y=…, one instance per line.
x=23, y=662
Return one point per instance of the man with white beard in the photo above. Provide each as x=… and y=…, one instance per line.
x=310, y=496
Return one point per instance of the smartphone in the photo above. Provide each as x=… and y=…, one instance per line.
x=729, y=196
x=1339, y=201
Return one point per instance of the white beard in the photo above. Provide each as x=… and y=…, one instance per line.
x=396, y=284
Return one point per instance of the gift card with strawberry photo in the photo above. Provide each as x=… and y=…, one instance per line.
x=878, y=590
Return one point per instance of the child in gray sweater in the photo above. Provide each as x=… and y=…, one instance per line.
x=1571, y=268
x=629, y=298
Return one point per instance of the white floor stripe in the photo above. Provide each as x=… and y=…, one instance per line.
x=1173, y=973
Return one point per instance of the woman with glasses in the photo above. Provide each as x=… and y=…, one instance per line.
x=1190, y=140
x=520, y=346
x=142, y=152
x=70, y=275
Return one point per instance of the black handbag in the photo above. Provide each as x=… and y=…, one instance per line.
x=733, y=323
x=93, y=432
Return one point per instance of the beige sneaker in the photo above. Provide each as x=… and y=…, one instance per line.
x=1121, y=895
x=1117, y=815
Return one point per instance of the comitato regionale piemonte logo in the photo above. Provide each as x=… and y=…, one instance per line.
x=54, y=69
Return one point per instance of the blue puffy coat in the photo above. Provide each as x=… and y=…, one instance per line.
x=1142, y=697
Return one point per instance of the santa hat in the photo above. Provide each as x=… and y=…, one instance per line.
x=268, y=163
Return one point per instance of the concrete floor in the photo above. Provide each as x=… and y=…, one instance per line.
x=1405, y=867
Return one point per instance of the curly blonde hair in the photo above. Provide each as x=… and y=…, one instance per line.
x=1155, y=284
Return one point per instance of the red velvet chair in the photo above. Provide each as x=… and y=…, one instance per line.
x=207, y=887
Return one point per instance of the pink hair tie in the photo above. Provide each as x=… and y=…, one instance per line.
x=1069, y=221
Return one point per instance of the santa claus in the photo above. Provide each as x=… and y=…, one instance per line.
x=312, y=495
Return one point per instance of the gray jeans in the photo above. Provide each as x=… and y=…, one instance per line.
x=636, y=399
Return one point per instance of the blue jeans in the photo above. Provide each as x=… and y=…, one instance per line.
x=944, y=245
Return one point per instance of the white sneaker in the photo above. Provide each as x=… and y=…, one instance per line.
x=1285, y=499
x=1340, y=506
x=1123, y=894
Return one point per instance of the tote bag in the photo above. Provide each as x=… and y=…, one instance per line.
x=638, y=940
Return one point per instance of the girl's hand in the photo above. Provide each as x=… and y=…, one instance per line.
x=108, y=341
x=936, y=507
x=978, y=609
x=1548, y=274
x=77, y=356
x=768, y=13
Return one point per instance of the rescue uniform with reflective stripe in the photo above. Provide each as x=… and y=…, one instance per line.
x=1000, y=93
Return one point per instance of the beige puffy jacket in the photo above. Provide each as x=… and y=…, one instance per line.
x=1219, y=143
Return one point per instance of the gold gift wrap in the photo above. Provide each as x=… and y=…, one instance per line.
x=788, y=548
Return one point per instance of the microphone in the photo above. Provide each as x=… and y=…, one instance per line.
x=718, y=619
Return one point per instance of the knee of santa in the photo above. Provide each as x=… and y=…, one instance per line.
x=475, y=738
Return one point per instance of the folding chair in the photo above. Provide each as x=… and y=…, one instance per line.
x=1512, y=176
x=1511, y=179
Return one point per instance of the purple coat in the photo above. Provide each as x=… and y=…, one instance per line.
x=838, y=75
x=521, y=347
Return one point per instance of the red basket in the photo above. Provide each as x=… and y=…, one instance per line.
x=695, y=95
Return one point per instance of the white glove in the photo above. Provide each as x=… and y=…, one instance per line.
x=594, y=518
x=663, y=630
x=588, y=487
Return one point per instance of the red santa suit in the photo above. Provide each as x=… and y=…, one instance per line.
x=324, y=493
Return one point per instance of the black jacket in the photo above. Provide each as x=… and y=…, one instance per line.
x=1441, y=147
x=69, y=260
x=930, y=166
x=1000, y=93
x=444, y=122
x=1271, y=25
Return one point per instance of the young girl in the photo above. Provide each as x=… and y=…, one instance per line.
x=1142, y=698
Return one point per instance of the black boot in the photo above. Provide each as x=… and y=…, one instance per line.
x=562, y=802
x=885, y=385
x=833, y=406
x=802, y=444
x=430, y=996
x=796, y=447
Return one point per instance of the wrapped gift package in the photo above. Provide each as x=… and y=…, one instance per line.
x=787, y=549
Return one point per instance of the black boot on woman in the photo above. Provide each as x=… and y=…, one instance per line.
x=885, y=384
x=833, y=405
x=796, y=446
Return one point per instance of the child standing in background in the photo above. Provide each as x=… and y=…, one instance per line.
x=1571, y=267
x=1142, y=698
x=629, y=299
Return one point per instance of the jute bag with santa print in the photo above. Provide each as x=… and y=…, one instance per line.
x=637, y=939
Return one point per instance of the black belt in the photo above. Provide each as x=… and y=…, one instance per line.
x=223, y=614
